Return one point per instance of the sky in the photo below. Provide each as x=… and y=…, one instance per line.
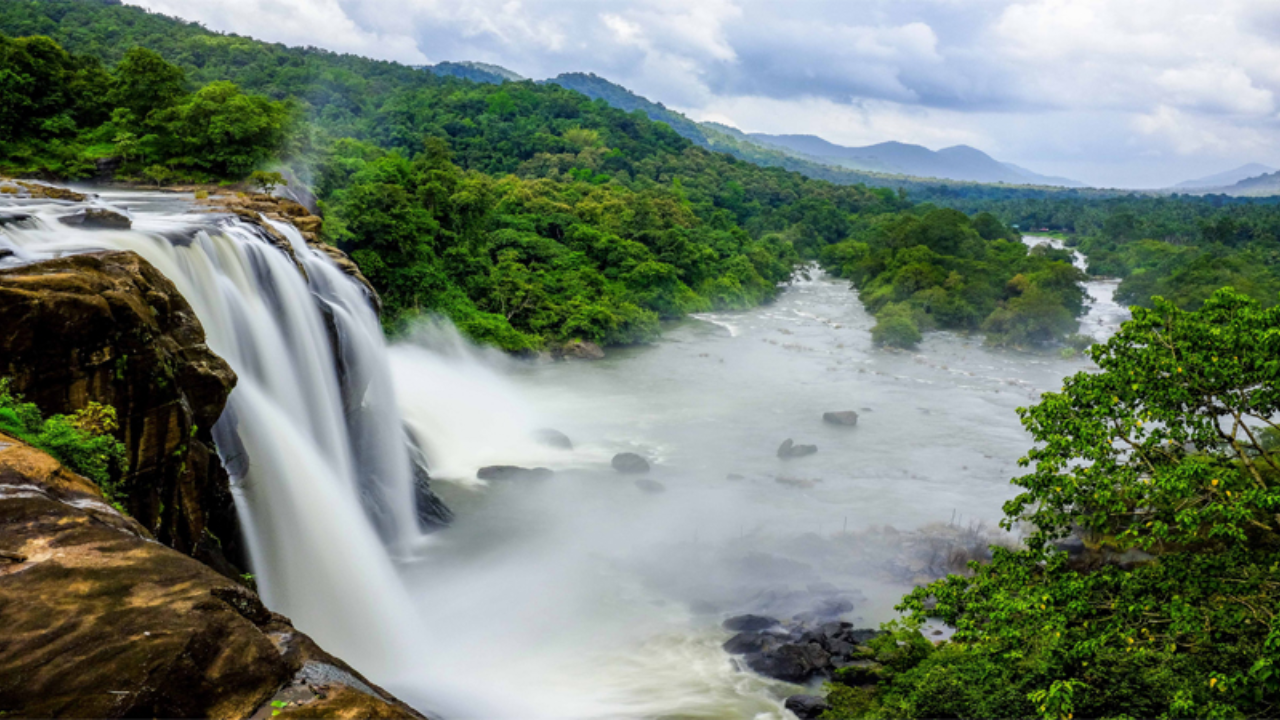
x=1114, y=93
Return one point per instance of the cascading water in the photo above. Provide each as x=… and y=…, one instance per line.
x=307, y=446
x=584, y=595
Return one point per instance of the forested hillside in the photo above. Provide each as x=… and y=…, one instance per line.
x=528, y=213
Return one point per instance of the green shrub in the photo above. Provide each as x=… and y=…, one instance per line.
x=1158, y=462
x=82, y=442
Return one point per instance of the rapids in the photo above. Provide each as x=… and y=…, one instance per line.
x=579, y=596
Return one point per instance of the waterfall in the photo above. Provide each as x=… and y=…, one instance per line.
x=318, y=457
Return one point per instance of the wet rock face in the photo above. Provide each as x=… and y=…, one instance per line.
x=798, y=652
x=97, y=620
x=109, y=328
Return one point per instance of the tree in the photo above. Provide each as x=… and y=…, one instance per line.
x=144, y=82
x=1164, y=461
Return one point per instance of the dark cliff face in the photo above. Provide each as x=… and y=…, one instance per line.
x=109, y=328
x=98, y=620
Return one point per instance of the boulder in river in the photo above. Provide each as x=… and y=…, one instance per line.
x=553, y=438
x=651, y=486
x=789, y=449
x=847, y=418
x=807, y=707
x=513, y=472
x=97, y=219
x=630, y=463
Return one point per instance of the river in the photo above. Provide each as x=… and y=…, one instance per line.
x=585, y=596
x=588, y=594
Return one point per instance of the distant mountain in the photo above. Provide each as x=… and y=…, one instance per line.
x=1230, y=177
x=597, y=88
x=887, y=164
x=475, y=72
x=1260, y=186
x=960, y=162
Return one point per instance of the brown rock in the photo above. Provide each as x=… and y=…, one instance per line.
x=582, y=350
x=109, y=328
x=96, y=620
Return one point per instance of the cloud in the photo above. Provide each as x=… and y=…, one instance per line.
x=1154, y=84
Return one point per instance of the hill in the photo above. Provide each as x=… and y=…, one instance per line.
x=1224, y=179
x=959, y=162
x=474, y=71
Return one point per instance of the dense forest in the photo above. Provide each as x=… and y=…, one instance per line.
x=528, y=213
x=1182, y=248
x=1170, y=609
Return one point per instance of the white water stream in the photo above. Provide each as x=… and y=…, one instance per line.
x=583, y=595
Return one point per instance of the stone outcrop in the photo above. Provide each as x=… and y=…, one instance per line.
x=109, y=328
x=99, y=620
x=800, y=651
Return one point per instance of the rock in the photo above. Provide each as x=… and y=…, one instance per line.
x=788, y=449
x=553, y=438
x=651, y=486
x=8, y=217
x=430, y=510
x=97, y=219
x=630, y=463
x=5, y=252
x=98, y=620
x=749, y=623
x=734, y=476
x=806, y=707
x=48, y=192
x=1073, y=546
x=581, y=350
x=512, y=472
x=745, y=643
x=844, y=417
x=861, y=673
x=793, y=663
x=109, y=328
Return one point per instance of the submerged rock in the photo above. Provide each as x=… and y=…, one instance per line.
x=788, y=449
x=513, y=472
x=99, y=620
x=630, y=463
x=650, y=486
x=553, y=438
x=843, y=417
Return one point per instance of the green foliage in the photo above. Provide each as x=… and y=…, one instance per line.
x=59, y=113
x=83, y=442
x=937, y=268
x=1162, y=451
